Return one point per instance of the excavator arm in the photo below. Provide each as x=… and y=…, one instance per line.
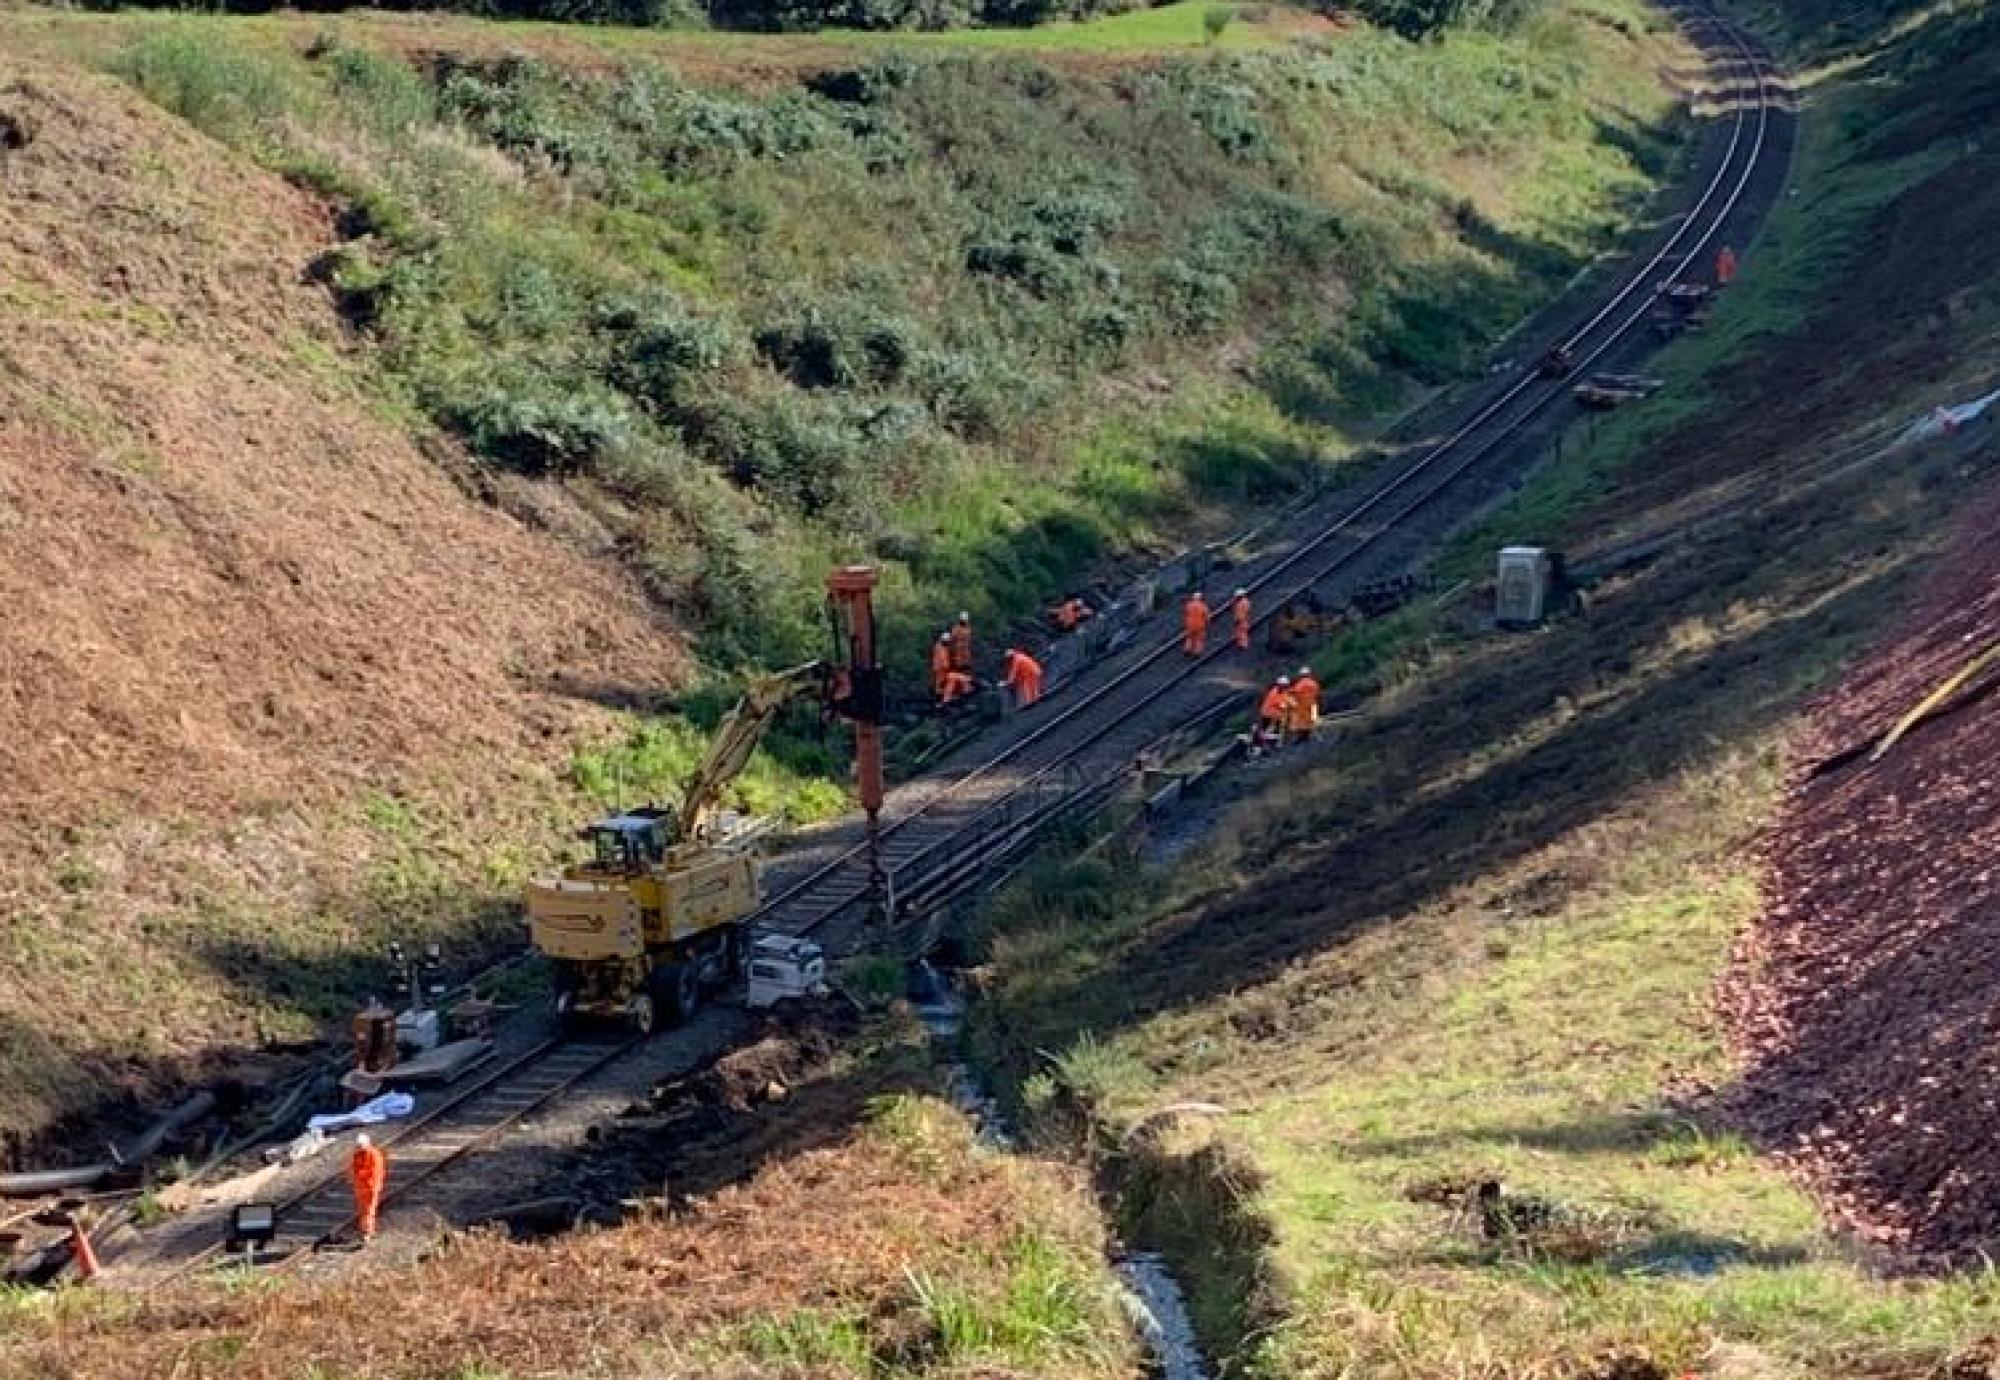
x=736, y=738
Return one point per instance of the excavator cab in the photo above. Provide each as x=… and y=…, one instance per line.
x=630, y=842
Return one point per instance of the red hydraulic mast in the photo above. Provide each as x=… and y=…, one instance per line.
x=857, y=698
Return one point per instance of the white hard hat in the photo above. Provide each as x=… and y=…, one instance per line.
x=1284, y=680
x=964, y=617
x=361, y=1142
x=1241, y=593
x=1305, y=671
x=944, y=637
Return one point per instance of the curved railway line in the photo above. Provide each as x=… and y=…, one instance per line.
x=1147, y=694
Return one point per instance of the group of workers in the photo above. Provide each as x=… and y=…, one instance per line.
x=1288, y=711
x=1195, y=619
x=951, y=666
x=1021, y=675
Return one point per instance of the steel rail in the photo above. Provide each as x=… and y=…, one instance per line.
x=446, y=1119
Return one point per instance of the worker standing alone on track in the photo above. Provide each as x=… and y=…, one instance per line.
x=961, y=644
x=368, y=1170
x=1303, y=717
x=1194, y=625
x=1023, y=677
x=1239, y=616
x=1725, y=267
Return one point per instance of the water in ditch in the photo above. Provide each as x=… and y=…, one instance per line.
x=1152, y=1294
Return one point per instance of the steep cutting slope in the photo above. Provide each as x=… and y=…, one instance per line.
x=1867, y=999
x=237, y=586
x=226, y=578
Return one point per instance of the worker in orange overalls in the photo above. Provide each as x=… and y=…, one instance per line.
x=947, y=684
x=1069, y=615
x=961, y=644
x=1273, y=713
x=1239, y=615
x=1194, y=625
x=1303, y=717
x=1023, y=676
x=368, y=1170
x=1725, y=267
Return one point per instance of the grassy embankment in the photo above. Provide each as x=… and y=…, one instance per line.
x=984, y=321
x=989, y=319
x=1480, y=941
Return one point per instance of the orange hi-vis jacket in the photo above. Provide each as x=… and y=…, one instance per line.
x=1304, y=716
x=940, y=666
x=1277, y=706
x=1725, y=266
x=368, y=1168
x=961, y=646
x=1024, y=676
x=1194, y=626
x=1239, y=610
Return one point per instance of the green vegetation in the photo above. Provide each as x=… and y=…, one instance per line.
x=1482, y=942
x=734, y=309
x=1411, y=18
x=863, y=316
x=655, y=756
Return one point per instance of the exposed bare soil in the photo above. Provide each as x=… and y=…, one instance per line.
x=226, y=580
x=235, y=588
x=1866, y=997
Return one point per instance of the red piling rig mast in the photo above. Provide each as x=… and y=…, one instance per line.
x=857, y=696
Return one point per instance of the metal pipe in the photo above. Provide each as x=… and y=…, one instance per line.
x=34, y=1183
x=180, y=1118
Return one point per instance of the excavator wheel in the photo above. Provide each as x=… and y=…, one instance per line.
x=568, y=1020
x=675, y=991
x=645, y=1013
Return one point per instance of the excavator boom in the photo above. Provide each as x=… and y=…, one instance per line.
x=736, y=738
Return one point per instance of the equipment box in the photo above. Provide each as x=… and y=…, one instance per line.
x=1522, y=585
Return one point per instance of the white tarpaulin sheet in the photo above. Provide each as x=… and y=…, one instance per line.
x=1941, y=421
x=382, y=1108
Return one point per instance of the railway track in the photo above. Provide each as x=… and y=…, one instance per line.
x=959, y=827
x=1154, y=689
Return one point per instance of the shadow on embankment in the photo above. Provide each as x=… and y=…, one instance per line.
x=1538, y=735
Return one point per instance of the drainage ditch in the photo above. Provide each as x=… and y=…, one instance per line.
x=1151, y=1292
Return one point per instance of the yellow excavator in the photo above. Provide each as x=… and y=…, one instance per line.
x=655, y=915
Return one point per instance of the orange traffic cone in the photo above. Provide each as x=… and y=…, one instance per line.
x=81, y=1253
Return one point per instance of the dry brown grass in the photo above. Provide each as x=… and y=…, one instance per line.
x=237, y=588
x=851, y=1232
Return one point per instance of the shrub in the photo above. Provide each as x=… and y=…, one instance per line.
x=659, y=351
x=850, y=346
x=814, y=459
x=1423, y=18
x=537, y=426
x=225, y=90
